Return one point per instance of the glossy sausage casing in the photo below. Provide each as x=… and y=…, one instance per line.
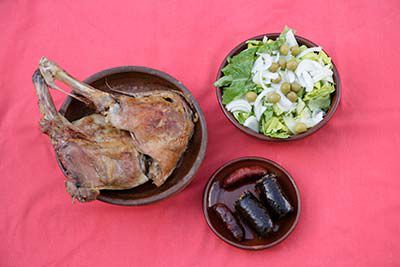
x=272, y=196
x=229, y=221
x=254, y=214
x=244, y=175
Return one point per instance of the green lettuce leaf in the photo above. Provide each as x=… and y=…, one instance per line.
x=223, y=81
x=271, y=45
x=241, y=117
x=302, y=48
x=277, y=110
x=305, y=113
x=272, y=126
x=267, y=115
x=300, y=94
x=254, y=43
x=237, y=79
x=322, y=103
x=320, y=90
x=323, y=58
x=300, y=106
x=311, y=56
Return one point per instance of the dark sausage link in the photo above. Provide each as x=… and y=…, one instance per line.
x=272, y=196
x=255, y=214
x=243, y=175
x=229, y=221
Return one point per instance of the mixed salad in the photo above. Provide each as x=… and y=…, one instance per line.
x=276, y=87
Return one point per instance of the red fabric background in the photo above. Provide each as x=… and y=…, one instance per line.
x=348, y=173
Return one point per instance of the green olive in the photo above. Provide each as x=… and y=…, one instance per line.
x=274, y=67
x=295, y=50
x=296, y=87
x=277, y=80
x=284, y=50
x=292, y=96
x=251, y=96
x=285, y=88
x=282, y=63
x=291, y=64
x=273, y=97
x=300, y=127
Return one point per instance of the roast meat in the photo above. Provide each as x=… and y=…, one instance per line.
x=130, y=138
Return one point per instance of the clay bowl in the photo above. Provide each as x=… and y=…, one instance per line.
x=214, y=193
x=335, y=96
x=136, y=79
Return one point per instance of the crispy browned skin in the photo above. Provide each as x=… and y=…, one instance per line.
x=95, y=154
x=117, y=160
x=161, y=126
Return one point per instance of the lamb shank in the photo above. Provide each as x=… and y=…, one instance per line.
x=130, y=139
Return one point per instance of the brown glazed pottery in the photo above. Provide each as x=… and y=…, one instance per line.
x=136, y=79
x=214, y=193
x=335, y=96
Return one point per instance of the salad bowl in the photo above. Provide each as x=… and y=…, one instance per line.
x=335, y=96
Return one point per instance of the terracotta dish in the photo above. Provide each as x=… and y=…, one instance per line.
x=214, y=193
x=135, y=79
x=335, y=97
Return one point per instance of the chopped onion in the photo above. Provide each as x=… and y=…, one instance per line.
x=257, y=78
x=309, y=72
x=252, y=123
x=301, y=80
x=307, y=119
x=239, y=105
x=314, y=119
x=290, y=76
x=263, y=62
x=329, y=74
x=309, y=81
x=268, y=76
x=283, y=75
x=290, y=39
x=307, y=65
x=284, y=103
x=240, y=108
x=290, y=123
x=259, y=109
x=276, y=58
x=318, y=75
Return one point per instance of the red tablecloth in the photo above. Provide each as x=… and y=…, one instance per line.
x=348, y=172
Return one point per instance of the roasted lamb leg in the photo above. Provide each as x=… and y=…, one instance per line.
x=95, y=154
x=160, y=122
x=132, y=136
